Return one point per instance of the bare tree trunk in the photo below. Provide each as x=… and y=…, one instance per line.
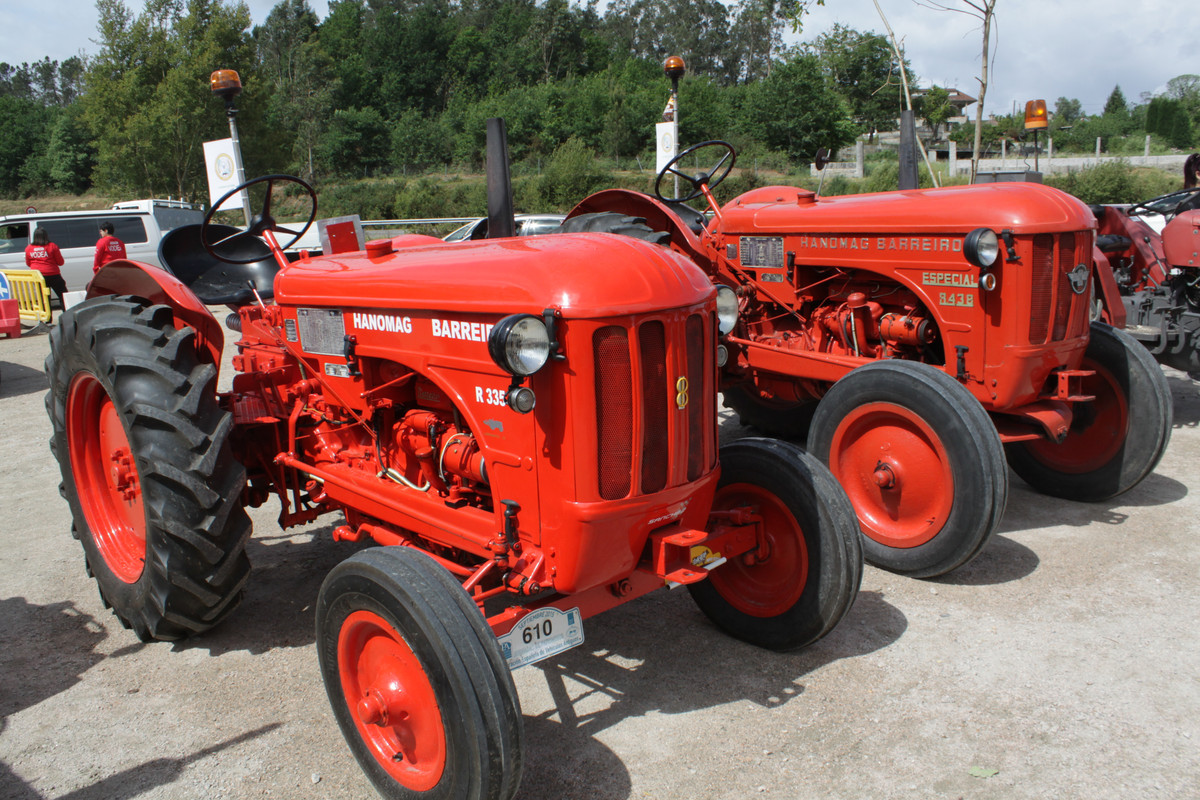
x=987, y=10
x=904, y=80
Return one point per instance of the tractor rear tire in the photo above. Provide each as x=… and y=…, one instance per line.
x=416, y=679
x=920, y=460
x=143, y=447
x=614, y=222
x=1115, y=440
x=813, y=561
x=775, y=418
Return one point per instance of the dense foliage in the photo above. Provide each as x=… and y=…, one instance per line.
x=393, y=89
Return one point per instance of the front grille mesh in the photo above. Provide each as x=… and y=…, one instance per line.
x=1056, y=312
x=614, y=404
x=664, y=422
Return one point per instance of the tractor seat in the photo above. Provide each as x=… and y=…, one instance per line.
x=1113, y=243
x=689, y=216
x=212, y=280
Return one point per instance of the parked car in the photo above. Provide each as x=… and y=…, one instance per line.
x=140, y=224
x=527, y=225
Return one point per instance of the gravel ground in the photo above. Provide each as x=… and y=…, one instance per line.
x=1061, y=663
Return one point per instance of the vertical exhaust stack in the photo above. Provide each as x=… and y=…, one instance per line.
x=499, y=182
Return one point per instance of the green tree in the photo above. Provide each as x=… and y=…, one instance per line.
x=301, y=82
x=864, y=71
x=1067, y=111
x=1116, y=104
x=357, y=142
x=935, y=108
x=796, y=110
x=147, y=100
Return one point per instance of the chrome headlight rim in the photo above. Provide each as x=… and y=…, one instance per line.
x=982, y=247
x=727, y=309
x=520, y=344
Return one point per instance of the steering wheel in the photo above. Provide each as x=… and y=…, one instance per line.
x=260, y=223
x=1169, y=204
x=698, y=181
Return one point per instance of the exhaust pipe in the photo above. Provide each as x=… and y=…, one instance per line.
x=499, y=182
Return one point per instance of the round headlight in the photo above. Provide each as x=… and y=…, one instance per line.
x=520, y=344
x=982, y=247
x=727, y=309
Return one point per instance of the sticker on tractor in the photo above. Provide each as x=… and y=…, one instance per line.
x=322, y=331
x=540, y=635
x=762, y=251
x=704, y=558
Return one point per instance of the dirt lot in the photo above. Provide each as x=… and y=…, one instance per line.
x=1063, y=662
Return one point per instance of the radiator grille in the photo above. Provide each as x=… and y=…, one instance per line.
x=1066, y=262
x=1043, y=288
x=654, y=390
x=614, y=406
x=655, y=441
x=699, y=391
x=1056, y=311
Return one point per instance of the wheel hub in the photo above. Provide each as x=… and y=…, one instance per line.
x=885, y=476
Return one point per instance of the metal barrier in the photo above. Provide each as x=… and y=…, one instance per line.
x=28, y=288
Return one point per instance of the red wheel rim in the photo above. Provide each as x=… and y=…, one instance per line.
x=1098, y=429
x=106, y=478
x=391, y=701
x=768, y=581
x=896, y=472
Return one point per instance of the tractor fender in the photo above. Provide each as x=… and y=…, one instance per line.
x=1112, y=306
x=159, y=286
x=658, y=215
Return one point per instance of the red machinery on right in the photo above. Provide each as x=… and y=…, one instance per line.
x=917, y=338
x=1148, y=259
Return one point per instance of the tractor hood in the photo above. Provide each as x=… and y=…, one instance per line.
x=584, y=275
x=1020, y=207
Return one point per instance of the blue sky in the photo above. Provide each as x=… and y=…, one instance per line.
x=1045, y=48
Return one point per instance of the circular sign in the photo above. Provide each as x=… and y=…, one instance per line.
x=224, y=167
x=30, y=210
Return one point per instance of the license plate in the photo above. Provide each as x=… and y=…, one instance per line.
x=540, y=635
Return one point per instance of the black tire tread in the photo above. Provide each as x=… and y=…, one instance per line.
x=908, y=383
x=757, y=413
x=831, y=535
x=1146, y=388
x=197, y=529
x=614, y=222
x=469, y=658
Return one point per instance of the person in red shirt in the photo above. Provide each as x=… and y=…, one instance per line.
x=44, y=256
x=108, y=248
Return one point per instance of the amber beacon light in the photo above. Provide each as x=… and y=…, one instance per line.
x=1035, y=115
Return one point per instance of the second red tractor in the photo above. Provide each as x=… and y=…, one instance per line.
x=922, y=342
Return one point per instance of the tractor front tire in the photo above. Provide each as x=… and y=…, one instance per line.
x=416, y=680
x=154, y=489
x=805, y=573
x=1115, y=440
x=921, y=462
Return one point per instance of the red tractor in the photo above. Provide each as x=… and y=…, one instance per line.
x=1148, y=257
x=528, y=425
x=916, y=338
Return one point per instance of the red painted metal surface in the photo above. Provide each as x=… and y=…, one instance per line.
x=762, y=581
x=896, y=472
x=159, y=286
x=106, y=477
x=391, y=700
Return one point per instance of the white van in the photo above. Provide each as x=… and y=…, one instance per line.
x=140, y=224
